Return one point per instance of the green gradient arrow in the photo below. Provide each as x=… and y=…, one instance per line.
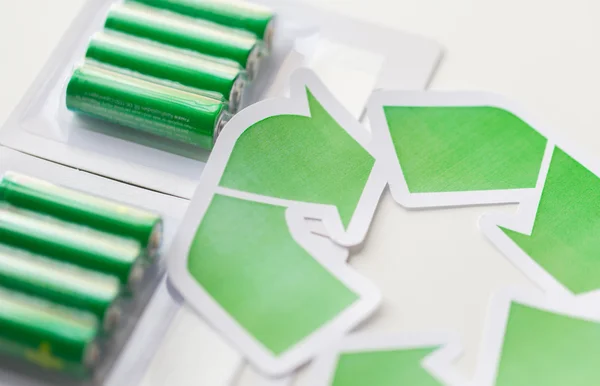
x=565, y=241
x=245, y=258
x=543, y=348
x=384, y=368
x=309, y=159
x=464, y=148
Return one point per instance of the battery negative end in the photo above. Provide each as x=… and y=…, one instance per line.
x=155, y=240
x=136, y=276
x=270, y=34
x=223, y=119
x=237, y=92
x=253, y=63
x=91, y=357
x=112, y=318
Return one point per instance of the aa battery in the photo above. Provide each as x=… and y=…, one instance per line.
x=187, y=33
x=154, y=108
x=81, y=208
x=47, y=335
x=61, y=283
x=233, y=13
x=85, y=247
x=166, y=62
x=154, y=80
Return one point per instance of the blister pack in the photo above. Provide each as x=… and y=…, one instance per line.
x=348, y=55
x=66, y=317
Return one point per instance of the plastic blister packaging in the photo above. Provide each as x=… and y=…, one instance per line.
x=131, y=348
x=347, y=54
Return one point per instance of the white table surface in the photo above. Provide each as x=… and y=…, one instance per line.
x=543, y=54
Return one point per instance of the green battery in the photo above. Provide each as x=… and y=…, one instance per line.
x=47, y=335
x=75, y=244
x=244, y=15
x=154, y=80
x=61, y=283
x=188, y=33
x=81, y=208
x=154, y=108
x=166, y=62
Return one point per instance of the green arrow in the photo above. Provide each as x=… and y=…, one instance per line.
x=565, y=238
x=459, y=149
x=308, y=159
x=542, y=348
x=384, y=368
x=245, y=258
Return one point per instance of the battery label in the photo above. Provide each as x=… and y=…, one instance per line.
x=154, y=108
x=177, y=68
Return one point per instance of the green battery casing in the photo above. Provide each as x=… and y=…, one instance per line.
x=233, y=13
x=154, y=108
x=165, y=62
x=60, y=283
x=183, y=32
x=81, y=208
x=47, y=335
x=70, y=205
x=82, y=246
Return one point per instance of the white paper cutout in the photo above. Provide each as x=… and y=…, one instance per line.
x=330, y=255
x=493, y=340
x=437, y=364
x=328, y=220
x=523, y=223
x=384, y=148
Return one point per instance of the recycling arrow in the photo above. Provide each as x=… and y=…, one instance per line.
x=541, y=342
x=418, y=359
x=301, y=158
x=259, y=275
x=454, y=149
x=565, y=241
x=384, y=368
x=467, y=148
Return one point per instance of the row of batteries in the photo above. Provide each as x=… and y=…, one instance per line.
x=71, y=265
x=176, y=69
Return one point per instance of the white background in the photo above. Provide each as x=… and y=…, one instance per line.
x=435, y=269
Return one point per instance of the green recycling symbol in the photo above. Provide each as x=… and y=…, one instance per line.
x=292, y=186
